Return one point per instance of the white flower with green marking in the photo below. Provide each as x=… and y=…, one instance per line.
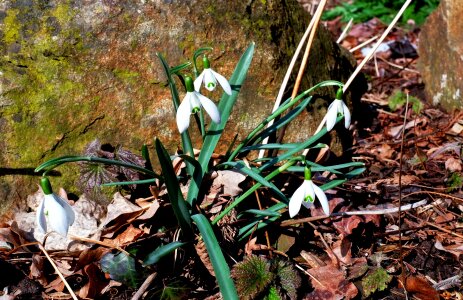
x=305, y=195
x=192, y=103
x=337, y=107
x=60, y=214
x=210, y=79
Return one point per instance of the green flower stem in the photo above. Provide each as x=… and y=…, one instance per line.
x=186, y=140
x=195, y=57
x=301, y=147
x=255, y=187
x=53, y=163
x=201, y=122
x=279, y=111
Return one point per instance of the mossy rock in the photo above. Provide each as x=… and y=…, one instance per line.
x=73, y=72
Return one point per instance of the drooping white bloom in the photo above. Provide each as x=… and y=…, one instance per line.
x=210, y=79
x=192, y=102
x=305, y=195
x=337, y=107
x=60, y=214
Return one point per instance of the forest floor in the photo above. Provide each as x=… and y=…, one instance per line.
x=412, y=158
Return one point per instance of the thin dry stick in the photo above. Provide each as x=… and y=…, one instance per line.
x=317, y=16
x=355, y=213
x=437, y=227
x=87, y=240
x=366, y=59
x=363, y=44
x=144, y=286
x=73, y=295
x=287, y=76
x=266, y=232
x=344, y=32
x=401, y=259
x=375, y=47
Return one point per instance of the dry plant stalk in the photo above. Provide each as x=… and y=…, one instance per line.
x=288, y=74
x=71, y=292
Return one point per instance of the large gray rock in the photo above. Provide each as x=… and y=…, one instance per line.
x=441, y=55
x=73, y=71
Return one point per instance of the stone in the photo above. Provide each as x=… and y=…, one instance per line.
x=441, y=55
x=73, y=71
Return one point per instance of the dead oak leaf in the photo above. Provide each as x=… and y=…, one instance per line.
x=330, y=284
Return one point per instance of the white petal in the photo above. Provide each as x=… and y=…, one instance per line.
x=57, y=215
x=198, y=81
x=323, y=200
x=209, y=80
x=210, y=108
x=332, y=115
x=296, y=200
x=223, y=82
x=41, y=220
x=70, y=215
x=346, y=115
x=183, y=114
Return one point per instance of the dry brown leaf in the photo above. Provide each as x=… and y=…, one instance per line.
x=456, y=249
x=95, y=283
x=253, y=246
x=421, y=288
x=129, y=235
x=37, y=269
x=334, y=285
x=453, y=165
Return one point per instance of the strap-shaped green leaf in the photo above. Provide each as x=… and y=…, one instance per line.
x=225, y=107
x=160, y=252
x=177, y=201
x=221, y=269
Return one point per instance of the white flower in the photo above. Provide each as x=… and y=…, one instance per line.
x=192, y=102
x=305, y=195
x=60, y=213
x=337, y=107
x=210, y=78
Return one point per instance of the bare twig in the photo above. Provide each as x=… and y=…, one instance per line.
x=71, y=292
x=144, y=286
x=375, y=47
x=401, y=259
x=354, y=213
x=288, y=75
x=345, y=31
x=363, y=44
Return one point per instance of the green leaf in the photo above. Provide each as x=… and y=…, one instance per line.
x=225, y=106
x=282, y=122
x=259, y=212
x=160, y=252
x=143, y=181
x=121, y=268
x=221, y=269
x=376, y=280
x=173, y=189
x=53, y=163
x=257, y=177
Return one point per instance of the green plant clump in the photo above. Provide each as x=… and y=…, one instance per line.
x=385, y=10
x=259, y=278
x=399, y=99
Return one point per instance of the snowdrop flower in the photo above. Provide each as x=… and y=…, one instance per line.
x=60, y=213
x=210, y=78
x=191, y=104
x=305, y=195
x=337, y=107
